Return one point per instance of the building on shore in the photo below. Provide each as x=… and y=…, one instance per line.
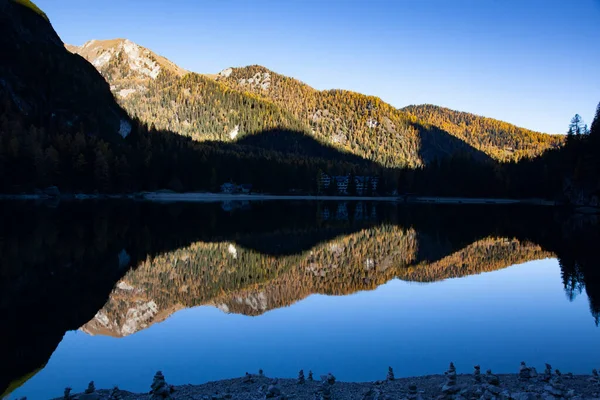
x=362, y=184
x=231, y=188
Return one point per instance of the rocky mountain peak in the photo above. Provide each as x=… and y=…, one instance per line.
x=133, y=59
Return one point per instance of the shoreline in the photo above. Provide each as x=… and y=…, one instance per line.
x=449, y=386
x=162, y=197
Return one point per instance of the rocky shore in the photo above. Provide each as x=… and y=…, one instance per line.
x=526, y=384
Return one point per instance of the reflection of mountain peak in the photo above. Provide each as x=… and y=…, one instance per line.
x=239, y=280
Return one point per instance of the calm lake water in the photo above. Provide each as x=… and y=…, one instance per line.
x=113, y=292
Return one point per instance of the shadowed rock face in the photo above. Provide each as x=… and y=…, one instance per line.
x=46, y=84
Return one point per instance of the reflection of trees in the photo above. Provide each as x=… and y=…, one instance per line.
x=578, y=258
x=59, y=265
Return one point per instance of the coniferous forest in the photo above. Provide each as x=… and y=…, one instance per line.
x=191, y=132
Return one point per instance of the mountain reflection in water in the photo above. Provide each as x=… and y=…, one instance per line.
x=115, y=269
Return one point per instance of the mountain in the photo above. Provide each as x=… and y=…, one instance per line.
x=238, y=102
x=44, y=85
x=168, y=97
x=366, y=124
x=499, y=139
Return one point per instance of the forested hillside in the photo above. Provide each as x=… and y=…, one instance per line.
x=243, y=101
x=373, y=129
x=499, y=139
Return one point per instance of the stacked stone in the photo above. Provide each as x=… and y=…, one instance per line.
x=324, y=392
x=547, y=373
x=301, y=379
x=310, y=376
x=390, y=374
x=248, y=378
x=90, y=393
x=67, y=394
x=533, y=372
x=477, y=374
x=555, y=389
x=491, y=379
x=594, y=378
x=274, y=392
x=91, y=388
x=115, y=394
x=160, y=389
x=491, y=389
x=413, y=393
x=450, y=388
x=261, y=372
x=524, y=372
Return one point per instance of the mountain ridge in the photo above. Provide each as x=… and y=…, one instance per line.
x=186, y=103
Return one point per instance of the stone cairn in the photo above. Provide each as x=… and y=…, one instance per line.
x=324, y=391
x=556, y=389
x=67, y=394
x=115, y=394
x=91, y=388
x=450, y=388
x=261, y=372
x=524, y=372
x=301, y=379
x=491, y=388
x=160, y=388
x=491, y=379
x=274, y=392
x=477, y=374
x=547, y=373
x=374, y=394
x=594, y=378
x=533, y=372
x=390, y=374
x=413, y=393
x=248, y=378
x=310, y=376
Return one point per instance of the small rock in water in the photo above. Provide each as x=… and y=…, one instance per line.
x=390, y=374
x=160, y=389
x=477, y=373
x=310, y=376
x=301, y=379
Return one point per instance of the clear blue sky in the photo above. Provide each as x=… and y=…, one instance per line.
x=534, y=63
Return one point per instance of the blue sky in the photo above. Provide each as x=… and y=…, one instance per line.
x=534, y=63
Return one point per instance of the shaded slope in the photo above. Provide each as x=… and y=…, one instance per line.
x=41, y=83
x=499, y=139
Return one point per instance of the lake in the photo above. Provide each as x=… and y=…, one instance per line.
x=114, y=291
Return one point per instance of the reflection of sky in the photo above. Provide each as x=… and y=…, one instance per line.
x=496, y=319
